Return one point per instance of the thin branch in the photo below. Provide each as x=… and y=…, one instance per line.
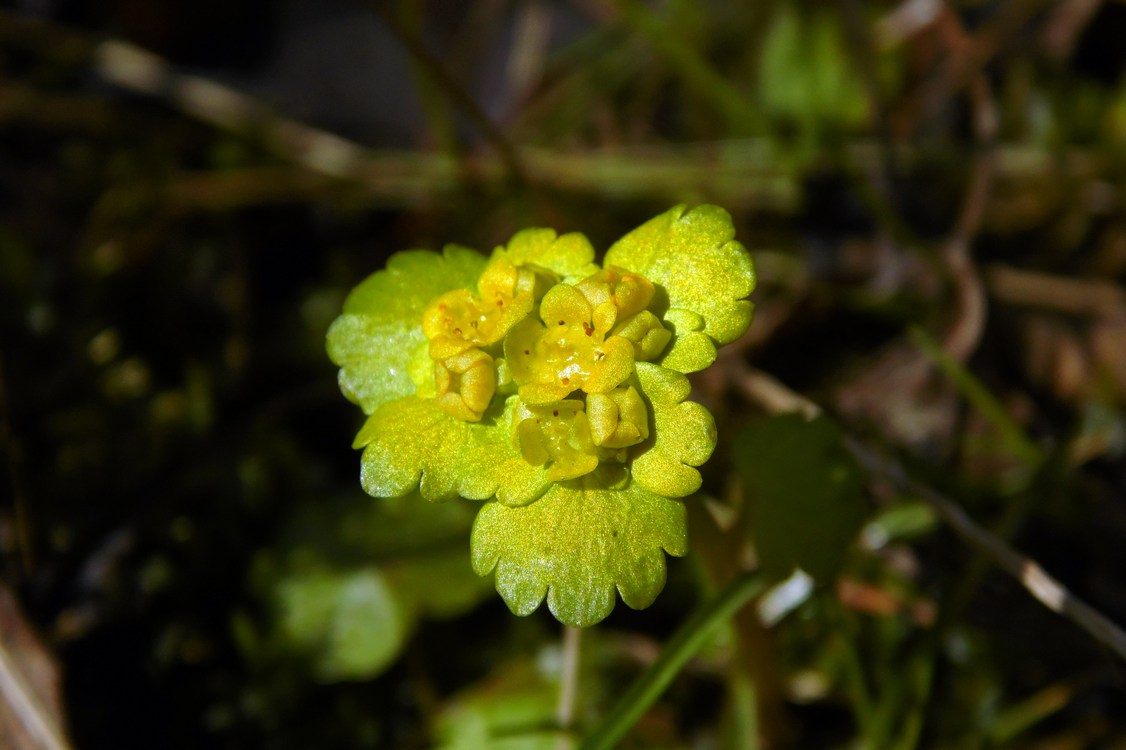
x=988, y=40
x=1047, y=590
x=747, y=172
x=964, y=334
x=457, y=94
x=905, y=20
x=1089, y=298
x=1039, y=583
x=742, y=117
x=867, y=65
x=1066, y=23
x=529, y=49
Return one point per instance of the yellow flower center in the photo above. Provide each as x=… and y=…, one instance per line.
x=460, y=319
x=568, y=351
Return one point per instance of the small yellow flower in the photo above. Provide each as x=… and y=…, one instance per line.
x=554, y=390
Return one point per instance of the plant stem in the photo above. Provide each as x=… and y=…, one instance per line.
x=683, y=646
x=568, y=685
x=753, y=655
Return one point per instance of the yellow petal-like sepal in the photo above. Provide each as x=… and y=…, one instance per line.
x=618, y=419
x=557, y=434
x=627, y=293
x=647, y=334
x=466, y=383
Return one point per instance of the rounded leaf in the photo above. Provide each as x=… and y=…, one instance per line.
x=378, y=342
x=576, y=545
x=694, y=257
x=569, y=255
x=351, y=622
x=411, y=443
x=683, y=434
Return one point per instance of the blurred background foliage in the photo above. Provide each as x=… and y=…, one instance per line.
x=934, y=196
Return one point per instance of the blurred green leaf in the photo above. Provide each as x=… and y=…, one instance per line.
x=806, y=498
x=349, y=583
x=806, y=76
x=1014, y=720
x=689, y=639
x=514, y=709
x=352, y=621
x=906, y=520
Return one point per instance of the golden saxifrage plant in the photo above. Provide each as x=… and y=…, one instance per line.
x=554, y=390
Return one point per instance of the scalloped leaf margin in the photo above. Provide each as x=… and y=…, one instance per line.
x=576, y=546
x=378, y=342
x=693, y=256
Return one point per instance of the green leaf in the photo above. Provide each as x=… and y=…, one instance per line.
x=691, y=349
x=683, y=434
x=569, y=255
x=576, y=545
x=694, y=259
x=688, y=640
x=351, y=622
x=806, y=74
x=904, y=520
x=378, y=342
x=805, y=493
x=507, y=711
x=410, y=443
x=412, y=279
x=378, y=363
x=348, y=581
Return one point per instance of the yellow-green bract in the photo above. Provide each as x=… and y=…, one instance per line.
x=552, y=389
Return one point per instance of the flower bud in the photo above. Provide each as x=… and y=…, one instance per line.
x=618, y=419
x=466, y=383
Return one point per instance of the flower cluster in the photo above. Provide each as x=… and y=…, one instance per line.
x=554, y=390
